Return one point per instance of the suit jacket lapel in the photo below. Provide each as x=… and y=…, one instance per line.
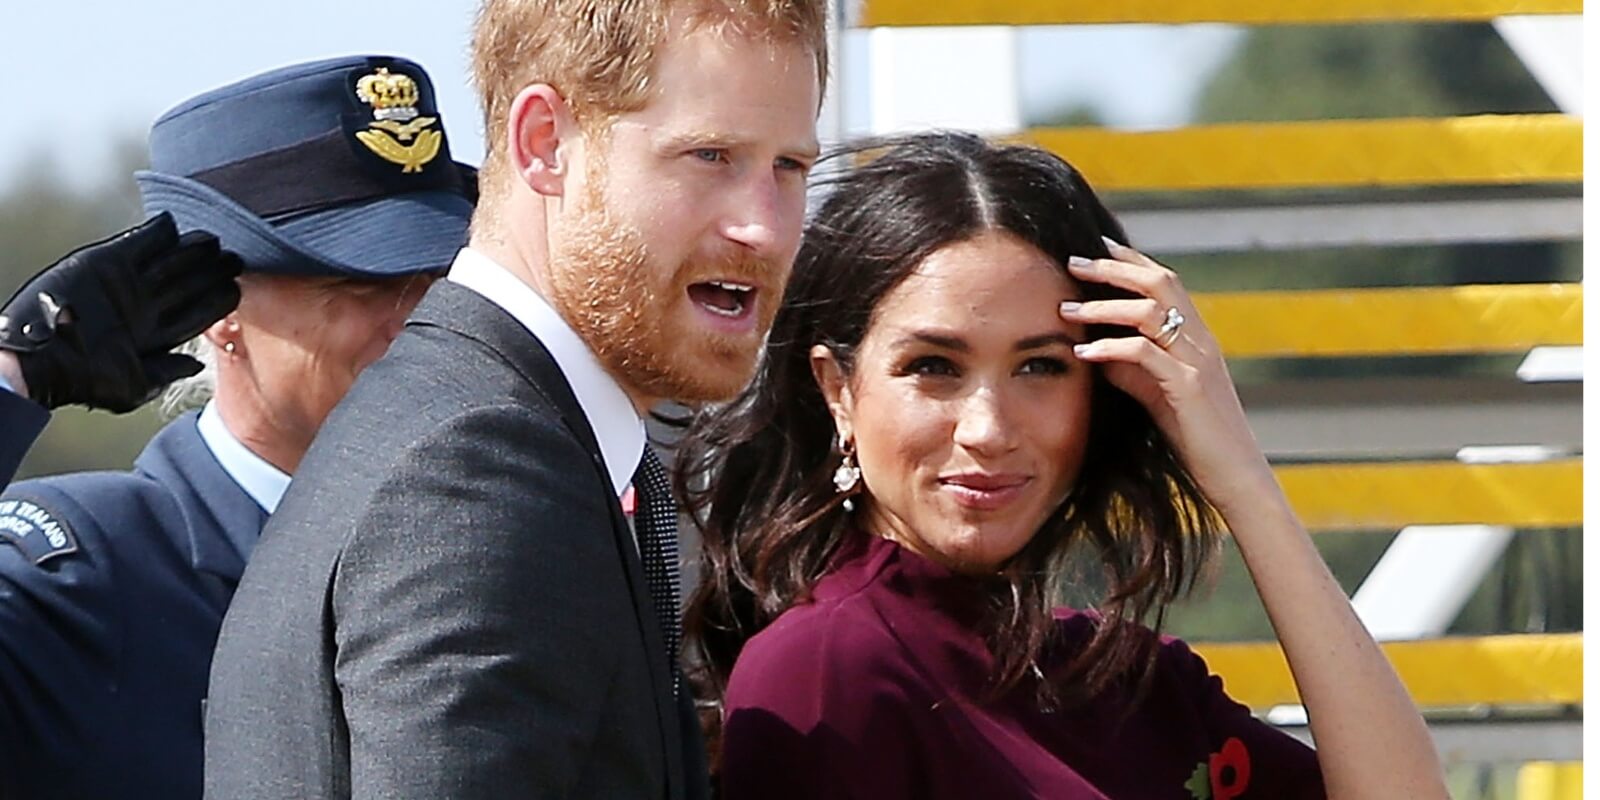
x=456, y=308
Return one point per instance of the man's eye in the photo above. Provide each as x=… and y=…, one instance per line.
x=710, y=155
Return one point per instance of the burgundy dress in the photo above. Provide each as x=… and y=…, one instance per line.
x=875, y=689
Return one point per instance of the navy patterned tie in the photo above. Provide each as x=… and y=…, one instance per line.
x=655, y=522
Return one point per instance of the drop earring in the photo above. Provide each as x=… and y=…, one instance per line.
x=848, y=476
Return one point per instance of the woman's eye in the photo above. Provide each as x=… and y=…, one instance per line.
x=1043, y=366
x=710, y=155
x=930, y=365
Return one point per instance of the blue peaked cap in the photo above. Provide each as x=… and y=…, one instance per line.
x=336, y=168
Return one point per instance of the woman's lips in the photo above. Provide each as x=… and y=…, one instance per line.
x=982, y=491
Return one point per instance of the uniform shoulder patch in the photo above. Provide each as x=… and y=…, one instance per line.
x=35, y=530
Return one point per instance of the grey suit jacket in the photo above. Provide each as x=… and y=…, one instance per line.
x=448, y=603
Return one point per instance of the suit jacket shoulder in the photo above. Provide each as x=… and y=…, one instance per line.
x=448, y=592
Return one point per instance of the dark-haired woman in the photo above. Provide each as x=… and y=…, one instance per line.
x=966, y=393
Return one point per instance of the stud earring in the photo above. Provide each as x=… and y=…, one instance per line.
x=229, y=347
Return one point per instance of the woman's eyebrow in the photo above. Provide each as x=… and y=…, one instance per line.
x=935, y=338
x=1043, y=339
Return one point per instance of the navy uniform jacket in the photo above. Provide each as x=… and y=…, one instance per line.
x=112, y=588
x=21, y=420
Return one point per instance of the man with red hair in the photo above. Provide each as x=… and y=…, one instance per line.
x=450, y=601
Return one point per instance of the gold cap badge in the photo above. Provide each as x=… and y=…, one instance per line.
x=393, y=98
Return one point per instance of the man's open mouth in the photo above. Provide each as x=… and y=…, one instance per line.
x=723, y=298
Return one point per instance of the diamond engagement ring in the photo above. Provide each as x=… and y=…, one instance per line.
x=1169, y=328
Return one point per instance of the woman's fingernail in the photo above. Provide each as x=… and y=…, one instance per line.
x=1111, y=244
x=1079, y=262
x=1070, y=306
x=1081, y=350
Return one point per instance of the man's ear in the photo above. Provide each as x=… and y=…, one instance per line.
x=536, y=139
x=835, y=387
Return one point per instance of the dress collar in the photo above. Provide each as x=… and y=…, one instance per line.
x=866, y=558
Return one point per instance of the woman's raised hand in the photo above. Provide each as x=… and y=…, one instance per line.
x=1175, y=369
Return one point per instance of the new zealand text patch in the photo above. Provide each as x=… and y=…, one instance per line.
x=33, y=529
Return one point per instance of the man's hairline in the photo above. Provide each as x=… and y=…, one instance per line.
x=594, y=117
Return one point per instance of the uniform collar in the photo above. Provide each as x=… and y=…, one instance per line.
x=263, y=482
x=222, y=522
x=617, y=426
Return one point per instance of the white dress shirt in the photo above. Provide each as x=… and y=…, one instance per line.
x=263, y=482
x=616, y=423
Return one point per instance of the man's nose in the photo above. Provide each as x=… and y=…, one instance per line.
x=755, y=217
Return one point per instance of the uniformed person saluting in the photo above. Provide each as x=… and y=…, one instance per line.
x=333, y=182
x=98, y=327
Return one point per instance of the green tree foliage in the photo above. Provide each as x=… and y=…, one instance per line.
x=1370, y=71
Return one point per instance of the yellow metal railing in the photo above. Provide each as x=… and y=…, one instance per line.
x=1521, y=669
x=1438, y=320
x=1487, y=149
x=1389, y=496
x=1550, y=780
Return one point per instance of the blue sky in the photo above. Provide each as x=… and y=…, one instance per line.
x=79, y=73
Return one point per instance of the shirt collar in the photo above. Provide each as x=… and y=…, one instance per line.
x=263, y=482
x=617, y=426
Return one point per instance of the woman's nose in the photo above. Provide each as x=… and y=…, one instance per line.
x=984, y=426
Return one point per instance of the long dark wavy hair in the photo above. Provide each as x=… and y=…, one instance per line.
x=756, y=473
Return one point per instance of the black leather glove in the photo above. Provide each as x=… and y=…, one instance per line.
x=96, y=328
